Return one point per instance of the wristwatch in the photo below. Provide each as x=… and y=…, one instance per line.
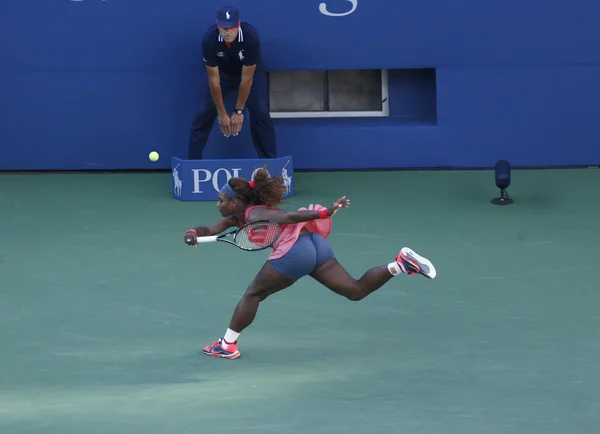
x=239, y=111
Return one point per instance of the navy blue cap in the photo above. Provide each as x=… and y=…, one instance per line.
x=228, y=16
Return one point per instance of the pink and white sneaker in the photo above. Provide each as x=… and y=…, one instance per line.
x=414, y=263
x=217, y=350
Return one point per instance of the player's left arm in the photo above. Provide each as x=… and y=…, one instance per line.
x=285, y=217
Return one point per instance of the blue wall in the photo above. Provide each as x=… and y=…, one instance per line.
x=98, y=84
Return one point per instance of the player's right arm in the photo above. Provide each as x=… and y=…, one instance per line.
x=212, y=229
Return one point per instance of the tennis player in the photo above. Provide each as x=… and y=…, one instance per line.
x=301, y=250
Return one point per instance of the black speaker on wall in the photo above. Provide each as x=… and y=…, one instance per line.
x=502, y=176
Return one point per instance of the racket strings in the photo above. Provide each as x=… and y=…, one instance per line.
x=257, y=236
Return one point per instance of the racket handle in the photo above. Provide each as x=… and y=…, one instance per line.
x=211, y=239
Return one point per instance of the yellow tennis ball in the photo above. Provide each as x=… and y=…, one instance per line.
x=153, y=156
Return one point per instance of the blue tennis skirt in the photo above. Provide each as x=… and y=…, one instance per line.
x=308, y=253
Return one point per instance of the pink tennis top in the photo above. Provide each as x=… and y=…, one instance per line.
x=291, y=232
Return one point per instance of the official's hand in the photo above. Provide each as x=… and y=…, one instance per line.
x=236, y=123
x=225, y=124
x=340, y=203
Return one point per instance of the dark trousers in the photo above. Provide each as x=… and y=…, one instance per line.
x=262, y=130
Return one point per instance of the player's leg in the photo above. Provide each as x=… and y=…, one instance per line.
x=266, y=283
x=262, y=129
x=334, y=276
x=274, y=276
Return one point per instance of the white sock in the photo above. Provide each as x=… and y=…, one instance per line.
x=230, y=337
x=395, y=268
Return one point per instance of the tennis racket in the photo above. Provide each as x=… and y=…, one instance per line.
x=252, y=237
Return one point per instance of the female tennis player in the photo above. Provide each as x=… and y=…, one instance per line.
x=301, y=250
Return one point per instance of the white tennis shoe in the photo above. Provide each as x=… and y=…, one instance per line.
x=413, y=263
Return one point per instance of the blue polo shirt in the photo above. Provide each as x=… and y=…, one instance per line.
x=244, y=51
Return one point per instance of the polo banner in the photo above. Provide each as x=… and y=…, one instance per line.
x=201, y=180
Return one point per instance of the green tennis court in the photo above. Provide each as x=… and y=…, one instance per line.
x=104, y=311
